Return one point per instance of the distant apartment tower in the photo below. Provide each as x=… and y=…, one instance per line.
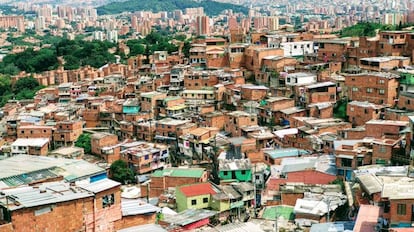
x=98, y=35
x=273, y=23
x=203, y=25
x=46, y=12
x=12, y=22
x=40, y=23
x=394, y=18
x=112, y=36
x=232, y=22
x=199, y=11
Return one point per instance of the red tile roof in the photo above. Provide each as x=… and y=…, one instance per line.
x=197, y=189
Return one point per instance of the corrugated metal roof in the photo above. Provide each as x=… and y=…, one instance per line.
x=188, y=216
x=136, y=207
x=237, y=227
x=370, y=183
x=18, y=170
x=100, y=185
x=180, y=172
x=144, y=228
x=45, y=194
x=237, y=164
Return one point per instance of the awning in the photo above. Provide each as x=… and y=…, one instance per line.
x=345, y=156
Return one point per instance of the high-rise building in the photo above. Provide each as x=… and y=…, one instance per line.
x=273, y=23
x=203, y=25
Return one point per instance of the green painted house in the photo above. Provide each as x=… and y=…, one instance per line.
x=194, y=196
x=131, y=106
x=238, y=169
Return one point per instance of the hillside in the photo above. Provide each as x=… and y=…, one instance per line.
x=210, y=7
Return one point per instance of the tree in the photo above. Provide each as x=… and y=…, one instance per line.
x=28, y=83
x=121, y=173
x=84, y=141
x=214, y=175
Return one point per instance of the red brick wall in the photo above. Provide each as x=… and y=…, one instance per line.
x=378, y=153
x=6, y=227
x=135, y=220
x=395, y=218
x=358, y=116
x=290, y=198
x=378, y=130
x=66, y=216
x=363, y=82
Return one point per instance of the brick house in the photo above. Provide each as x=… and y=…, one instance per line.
x=378, y=88
x=386, y=63
x=143, y=157
x=392, y=43
x=31, y=146
x=104, y=145
x=332, y=50
x=34, y=131
x=162, y=180
x=236, y=120
x=90, y=207
x=253, y=93
x=351, y=154
x=67, y=132
x=361, y=112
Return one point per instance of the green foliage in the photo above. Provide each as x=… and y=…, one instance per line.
x=24, y=88
x=30, y=61
x=154, y=41
x=79, y=53
x=84, y=141
x=210, y=7
x=339, y=110
x=120, y=172
x=76, y=53
x=24, y=83
x=186, y=49
x=5, y=90
x=339, y=182
x=364, y=29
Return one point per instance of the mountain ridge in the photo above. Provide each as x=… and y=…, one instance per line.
x=210, y=7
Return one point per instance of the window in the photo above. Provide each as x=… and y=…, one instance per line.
x=205, y=200
x=369, y=90
x=401, y=209
x=108, y=200
x=382, y=91
x=194, y=202
x=243, y=172
x=381, y=81
x=225, y=173
x=352, y=109
x=354, y=89
x=365, y=111
x=382, y=149
x=360, y=161
x=346, y=162
x=146, y=157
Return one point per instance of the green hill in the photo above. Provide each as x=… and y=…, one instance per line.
x=210, y=7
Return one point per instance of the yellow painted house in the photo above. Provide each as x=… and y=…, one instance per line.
x=194, y=196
